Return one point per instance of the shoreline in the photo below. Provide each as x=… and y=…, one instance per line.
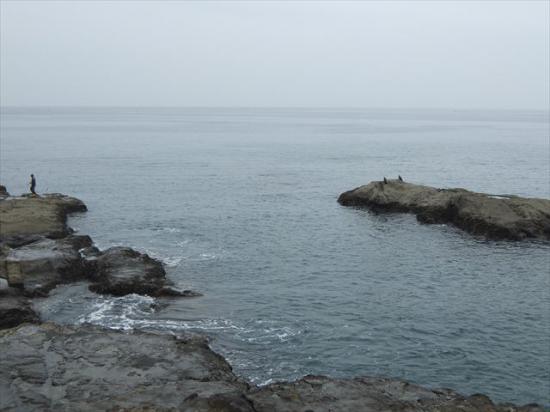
x=209, y=384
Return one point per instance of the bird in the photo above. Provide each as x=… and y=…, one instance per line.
x=385, y=181
x=400, y=178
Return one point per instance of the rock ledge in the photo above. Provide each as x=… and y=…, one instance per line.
x=494, y=217
x=87, y=368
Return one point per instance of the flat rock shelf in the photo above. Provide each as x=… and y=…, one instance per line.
x=47, y=367
x=495, y=217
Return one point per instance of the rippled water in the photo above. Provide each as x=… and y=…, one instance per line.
x=241, y=205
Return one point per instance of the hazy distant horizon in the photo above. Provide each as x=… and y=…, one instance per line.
x=396, y=108
x=452, y=55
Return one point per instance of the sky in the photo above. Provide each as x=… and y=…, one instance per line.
x=392, y=54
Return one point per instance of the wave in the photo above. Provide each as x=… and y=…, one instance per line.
x=134, y=312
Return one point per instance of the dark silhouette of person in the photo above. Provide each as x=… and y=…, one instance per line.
x=33, y=184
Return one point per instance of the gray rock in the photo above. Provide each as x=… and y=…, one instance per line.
x=37, y=253
x=39, y=266
x=224, y=402
x=495, y=217
x=15, y=308
x=49, y=368
x=120, y=271
x=3, y=192
x=323, y=394
x=37, y=215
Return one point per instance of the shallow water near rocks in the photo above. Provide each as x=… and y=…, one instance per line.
x=240, y=204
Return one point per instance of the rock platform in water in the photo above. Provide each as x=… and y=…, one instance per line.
x=494, y=217
x=49, y=367
x=38, y=252
x=29, y=215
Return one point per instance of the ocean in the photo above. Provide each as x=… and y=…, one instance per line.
x=240, y=205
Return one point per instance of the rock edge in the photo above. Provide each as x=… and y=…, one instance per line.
x=88, y=368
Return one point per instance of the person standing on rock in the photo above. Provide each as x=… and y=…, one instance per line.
x=33, y=184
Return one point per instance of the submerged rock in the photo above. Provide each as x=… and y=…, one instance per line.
x=37, y=215
x=495, y=217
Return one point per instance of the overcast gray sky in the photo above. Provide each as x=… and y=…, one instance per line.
x=491, y=54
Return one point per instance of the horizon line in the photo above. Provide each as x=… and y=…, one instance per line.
x=2, y=107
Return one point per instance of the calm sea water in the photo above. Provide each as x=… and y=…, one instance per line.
x=240, y=204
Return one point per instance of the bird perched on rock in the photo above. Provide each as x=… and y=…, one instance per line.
x=385, y=181
x=400, y=178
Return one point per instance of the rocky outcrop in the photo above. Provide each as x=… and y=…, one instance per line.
x=32, y=216
x=38, y=252
x=51, y=367
x=3, y=192
x=323, y=394
x=120, y=271
x=41, y=265
x=491, y=216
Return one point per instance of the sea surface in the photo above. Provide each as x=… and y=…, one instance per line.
x=240, y=204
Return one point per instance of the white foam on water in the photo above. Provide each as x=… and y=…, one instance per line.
x=170, y=261
x=205, y=256
x=134, y=312
x=118, y=312
x=170, y=229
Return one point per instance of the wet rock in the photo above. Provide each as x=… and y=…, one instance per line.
x=168, y=291
x=37, y=253
x=39, y=266
x=90, y=252
x=322, y=394
x=37, y=215
x=49, y=368
x=15, y=308
x=19, y=240
x=226, y=402
x=491, y=216
x=3, y=192
x=120, y=271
